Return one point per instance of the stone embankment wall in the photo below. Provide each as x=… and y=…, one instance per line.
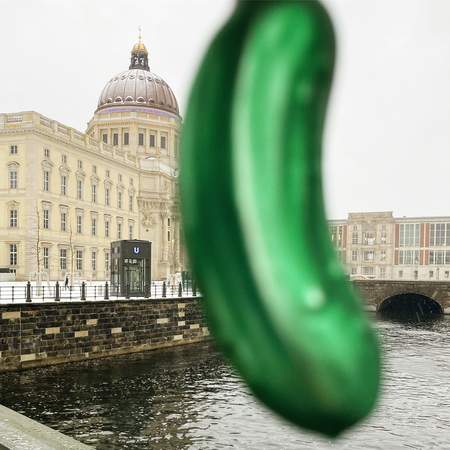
x=33, y=335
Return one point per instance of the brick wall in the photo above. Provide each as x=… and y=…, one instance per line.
x=33, y=335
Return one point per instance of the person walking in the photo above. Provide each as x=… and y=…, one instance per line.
x=66, y=283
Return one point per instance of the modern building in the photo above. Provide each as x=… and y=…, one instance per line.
x=65, y=195
x=379, y=245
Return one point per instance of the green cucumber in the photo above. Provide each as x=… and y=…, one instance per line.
x=276, y=296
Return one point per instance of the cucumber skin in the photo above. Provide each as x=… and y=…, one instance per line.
x=315, y=364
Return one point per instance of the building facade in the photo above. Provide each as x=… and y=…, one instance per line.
x=380, y=246
x=65, y=195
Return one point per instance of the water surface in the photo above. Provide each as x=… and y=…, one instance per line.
x=189, y=398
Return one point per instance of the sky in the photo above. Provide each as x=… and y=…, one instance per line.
x=387, y=139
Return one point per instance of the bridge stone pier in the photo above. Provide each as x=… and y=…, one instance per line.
x=377, y=292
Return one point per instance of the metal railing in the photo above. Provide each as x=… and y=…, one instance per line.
x=33, y=293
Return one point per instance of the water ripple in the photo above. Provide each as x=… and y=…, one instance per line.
x=189, y=398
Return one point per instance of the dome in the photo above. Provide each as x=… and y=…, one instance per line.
x=138, y=87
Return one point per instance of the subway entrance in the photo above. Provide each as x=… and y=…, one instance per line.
x=131, y=268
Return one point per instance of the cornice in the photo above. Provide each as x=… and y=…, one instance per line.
x=62, y=141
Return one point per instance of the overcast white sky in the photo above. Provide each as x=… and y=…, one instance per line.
x=388, y=133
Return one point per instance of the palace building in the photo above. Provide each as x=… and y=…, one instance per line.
x=66, y=195
x=379, y=245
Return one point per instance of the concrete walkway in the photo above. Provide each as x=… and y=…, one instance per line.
x=18, y=432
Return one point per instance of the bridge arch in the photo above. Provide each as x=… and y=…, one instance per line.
x=410, y=306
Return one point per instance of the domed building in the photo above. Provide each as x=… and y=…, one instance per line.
x=116, y=181
x=138, y=114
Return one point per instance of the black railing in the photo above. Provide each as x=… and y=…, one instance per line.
x=84, y=292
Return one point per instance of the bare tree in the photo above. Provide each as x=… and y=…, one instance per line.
x=38, y=242
x=71, y=252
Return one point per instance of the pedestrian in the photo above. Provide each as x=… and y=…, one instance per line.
x=66, y=283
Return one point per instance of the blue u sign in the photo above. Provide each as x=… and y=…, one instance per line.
x=136, y=250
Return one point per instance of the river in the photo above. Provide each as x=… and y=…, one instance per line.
x=189, y=398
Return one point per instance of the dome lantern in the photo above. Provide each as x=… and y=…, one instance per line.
x=139, y=55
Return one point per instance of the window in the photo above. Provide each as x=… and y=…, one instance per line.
x=94, y=169
x=79, y=223
x=382, y=272
x=64, y=159
x=130, y=231
x=46, y=219
x=368, y=271
x=63, y=185
x=45, y=257
x=130, y=200
x=141, y=138
x=13, y=178
x=13, y=149
x=369, y=255
x=80, y=164
x=63, y=221
x=431, y=274
x=94, y=261
x=80, y=189
x=439, y=234
x=152, y=140
x=105, y=138
x=79, y=259
x=447, y=274
x=107, y=197
x=94, y=226
x=408, y=257
x=409, y=235
x=383, y=255
x=119, y=231
x=94, y=193
x=107, y=261
x=46, y=153
x=168, y=222
x=168, y=235
x=354, y=255
x=46, y=180
x=115, y=139
x=368, y=238
x=400, y=273
x=354, y=270
x=126, y=138
x=355, y=237
x=416, y=274
x=336, y=234
x=13, y=254
x=106, y=228
x=439, y=257
x=63, y=258
x=119, y=200
x=13, y=218
x=383, y=237
x=163, y=142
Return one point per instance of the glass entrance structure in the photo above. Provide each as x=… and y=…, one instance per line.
x=131, y=268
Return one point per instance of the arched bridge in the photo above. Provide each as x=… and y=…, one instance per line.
x=380, y=294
